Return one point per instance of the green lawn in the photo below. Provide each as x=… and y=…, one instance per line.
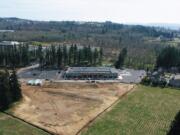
x=10, y=126
x=146, y=111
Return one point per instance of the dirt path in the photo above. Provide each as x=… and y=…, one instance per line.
x=27, y=68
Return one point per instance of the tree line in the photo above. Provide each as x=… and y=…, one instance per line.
x=10, y=90
x=16, y=56
x=50, y=56
x=61, y=56
x=169, y=57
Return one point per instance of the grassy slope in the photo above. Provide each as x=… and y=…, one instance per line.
x=10, y=126
x=147, y=111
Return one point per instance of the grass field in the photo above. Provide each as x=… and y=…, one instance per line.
x=146, y=111
x=11, y=126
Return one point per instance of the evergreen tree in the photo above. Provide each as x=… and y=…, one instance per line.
x=15, y=87
x=96, y=55
x=65, y=55
x=168, y=57
x=59, y=56
x=52, y=55
x=100, y=56
x=47, y=57
x=40, y=55
x=9, y=89
x=119, y=63
x=89, y=55
x=70, y=55
x=75, y=54
x=79, y=57
x=5, y=93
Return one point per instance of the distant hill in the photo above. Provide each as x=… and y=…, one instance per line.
x=143, y=42
x=165, y=25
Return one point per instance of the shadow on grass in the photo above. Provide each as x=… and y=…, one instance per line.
x=175, y=126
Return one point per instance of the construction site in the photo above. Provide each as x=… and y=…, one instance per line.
x=66, y=108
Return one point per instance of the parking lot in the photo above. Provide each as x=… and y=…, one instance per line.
x=131, y=75
x=126, y=75
x=41, y=74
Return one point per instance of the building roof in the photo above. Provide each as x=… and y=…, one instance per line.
x=2, y=31
x=177, y=77
x=9, y=43
x=91, y=70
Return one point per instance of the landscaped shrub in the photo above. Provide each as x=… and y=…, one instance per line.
x=146, y=81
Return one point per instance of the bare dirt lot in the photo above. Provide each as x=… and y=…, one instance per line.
x=64, y=108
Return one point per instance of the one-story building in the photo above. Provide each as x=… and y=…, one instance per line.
x=9, y=43
x=92, y=73
x=175, y=81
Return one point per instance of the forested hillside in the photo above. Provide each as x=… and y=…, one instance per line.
x=143, y=43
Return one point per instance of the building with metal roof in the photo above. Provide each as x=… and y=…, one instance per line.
x=9, y=43
x=94, y=73
x=175, y=81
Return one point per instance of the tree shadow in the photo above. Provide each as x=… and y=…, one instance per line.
x=175, y=126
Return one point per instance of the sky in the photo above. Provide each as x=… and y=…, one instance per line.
x=121, y=11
